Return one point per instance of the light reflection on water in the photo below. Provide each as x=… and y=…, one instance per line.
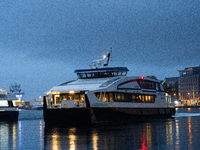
x=179, y=133
x=95, y=139
x=55, y=141
x=72, y=138
x=138, y=136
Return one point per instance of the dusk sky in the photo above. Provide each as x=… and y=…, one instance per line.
x=42, y=42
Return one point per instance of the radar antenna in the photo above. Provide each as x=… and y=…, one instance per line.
x=97, y=63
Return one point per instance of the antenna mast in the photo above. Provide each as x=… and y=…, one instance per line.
x=97, y=63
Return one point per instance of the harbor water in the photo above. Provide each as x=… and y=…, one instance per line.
x=181, y=132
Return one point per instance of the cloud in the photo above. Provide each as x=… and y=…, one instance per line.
x=44, y=41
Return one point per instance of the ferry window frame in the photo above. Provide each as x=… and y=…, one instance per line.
x=118, y=97
x=90, y=75
x=109, y=97
x=79, y=76
x=65, y=96
x=83, y=75
x=119, y=73
x=56, y=99
x=100, y=74
x=146, y=84
x=124, y=73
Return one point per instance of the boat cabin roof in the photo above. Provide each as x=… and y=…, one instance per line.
x=101, y=72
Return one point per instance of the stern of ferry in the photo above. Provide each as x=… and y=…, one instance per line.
x=66, y=113
x=9, y=114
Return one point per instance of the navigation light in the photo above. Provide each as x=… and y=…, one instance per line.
x=142, y=78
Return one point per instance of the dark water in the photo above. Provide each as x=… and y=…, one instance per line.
x=182, y=132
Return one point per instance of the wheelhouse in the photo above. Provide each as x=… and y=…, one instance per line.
x=101, y=72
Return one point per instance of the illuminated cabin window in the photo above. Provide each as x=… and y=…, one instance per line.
x=3, y=103
x=69, y=96
x=124, y=97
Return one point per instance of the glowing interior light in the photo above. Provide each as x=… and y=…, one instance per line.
x=142, y=78
x=19, y=96
x=71, y=91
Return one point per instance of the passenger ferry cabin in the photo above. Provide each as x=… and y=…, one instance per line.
x=106, y=94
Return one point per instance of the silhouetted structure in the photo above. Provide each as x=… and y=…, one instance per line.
x=170, y=84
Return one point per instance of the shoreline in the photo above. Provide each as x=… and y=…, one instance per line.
x=197, y=106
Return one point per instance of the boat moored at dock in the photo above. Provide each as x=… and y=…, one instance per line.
x=8, y=111
x=37, y=106
x=106, y=94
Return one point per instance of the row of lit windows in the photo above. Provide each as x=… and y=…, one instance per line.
x=101, y=74
x=187, y=89
x=189, y=84
x=124, y=97
x=189, y=80
x=187, y=93
x=74, y=96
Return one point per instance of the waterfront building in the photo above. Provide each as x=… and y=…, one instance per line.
x=189, y=86
x=171, y=84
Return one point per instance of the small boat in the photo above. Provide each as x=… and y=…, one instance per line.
x=8, y=109
x=37, y=106
x=105, y=94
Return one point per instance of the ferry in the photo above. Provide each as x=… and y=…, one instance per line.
x=8, y=109
x=105, y=94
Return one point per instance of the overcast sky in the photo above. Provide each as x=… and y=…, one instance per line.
x=43, y=41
